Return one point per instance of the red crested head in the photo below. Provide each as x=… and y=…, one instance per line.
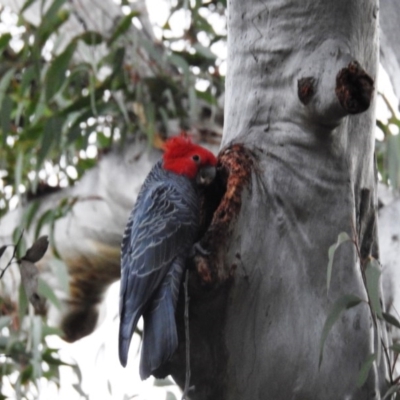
x=184, y=157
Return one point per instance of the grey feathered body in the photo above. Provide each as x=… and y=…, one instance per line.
x=160, y=232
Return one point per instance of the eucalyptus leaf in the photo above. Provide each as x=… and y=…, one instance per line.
x=91, y=38
x=5, y=320
x=393, y=389
x=4, y=40
x=56, y=74
x=343, y=237
x=393, y=155
x=47, y=292
x=395, y=347
x=122, y=26
x=30, y=213
x=23, y=302
x=26, y=5
x=372, y=275
x=52, y=131
x=51, y=20
x=163, y=382
x=343, y=303
x=364, y=371
x=5, y=82
x=2, y=250
x=36, y=332
x=170, y=396
x=5, y=117
x=204, y=51
x=389, y=318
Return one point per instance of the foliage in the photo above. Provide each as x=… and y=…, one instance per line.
x=371, y=274
x=26, y=356
x=60, y=110
x=55, y=106
x=388, y=150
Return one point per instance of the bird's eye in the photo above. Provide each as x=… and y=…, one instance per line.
x=196, y=158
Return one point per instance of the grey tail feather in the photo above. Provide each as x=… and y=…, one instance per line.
x=126, y=329
x=123, y=350
x=160, y=338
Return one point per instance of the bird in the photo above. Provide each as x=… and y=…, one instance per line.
x=160, y=233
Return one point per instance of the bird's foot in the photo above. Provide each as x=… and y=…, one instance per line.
x=198, y=249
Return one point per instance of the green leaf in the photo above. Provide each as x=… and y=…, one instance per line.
x=393, y=156
x=40, y=109
x=46, y=291
x=5, y=117
x=50, y=330
x=163, y=382
x=52, y=130
x=207, y=96
x=18, y=170
x=36, y=332
x=204, y=51
x=372, y=276
x=74, y=133
x=30, y=213
x=26, y=5
x=4, y=40
x=5, y=83
x=389, y=318
x=395, y=347
x=170, y=396
x=51, y=20
x=179, y=62
x=56, y=74
x=28, y=76
x=48, y=357
x=123, y=25
x=364, y=371
x=26, y=375
x=60, y=271
x=393, y=389
x=5, y=320
x=46, y=218
x=22, y=303
x=343, y=303
x=2, y=250
x=91, y=38
x=343, y=237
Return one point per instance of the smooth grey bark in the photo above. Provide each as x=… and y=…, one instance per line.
x=314, y=167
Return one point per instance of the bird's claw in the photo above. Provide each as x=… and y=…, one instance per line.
x=198, y=249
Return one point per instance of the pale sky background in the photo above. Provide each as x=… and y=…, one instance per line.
x=97, y=354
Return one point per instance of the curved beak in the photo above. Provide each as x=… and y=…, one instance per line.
x=206, y=175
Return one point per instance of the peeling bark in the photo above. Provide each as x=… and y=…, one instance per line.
x=234, y=169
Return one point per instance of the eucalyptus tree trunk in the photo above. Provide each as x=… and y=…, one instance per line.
x=315, y=168
x=298, y=72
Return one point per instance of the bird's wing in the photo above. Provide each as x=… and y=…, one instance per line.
x=161, y=227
